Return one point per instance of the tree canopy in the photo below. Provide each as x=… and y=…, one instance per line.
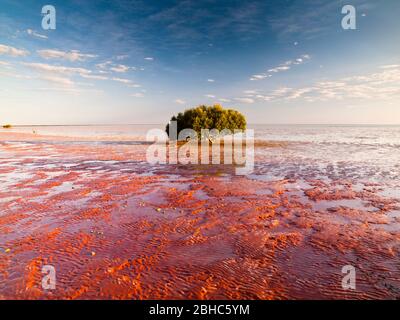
x=209, y=117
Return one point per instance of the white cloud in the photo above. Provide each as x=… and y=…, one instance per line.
x=210, y=96
x=13, y=52
x=149, y=58
x=245, y=100
x=391, y=66
x=120, y=68
x=263, y=97
x=43, y=67
x=33, y=33
x=126, y=81
x=210, y=80
x=58, y=75
x=93, y=76
x=180, y=101
x=224, y=100
x=299, y=93
x=382, y=85
x=104, y=65
x=57, y=71
x=57, y=80
x=109, y=66
x=70, y=90
x=260, y=76
x=61, y=74
x=281, y=91
x=280, y=68
x=73, y=55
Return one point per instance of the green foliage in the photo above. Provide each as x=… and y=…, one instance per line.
x=209, y=117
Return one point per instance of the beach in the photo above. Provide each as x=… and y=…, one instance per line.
x=86, y=201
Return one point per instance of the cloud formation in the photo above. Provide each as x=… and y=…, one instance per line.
x=63, y=74
x=93, y=76
x=73, y=55
x=381, y=85
x=122, y=80
x=12, y=51
x=280, y=68
x=33, y=33
x=180, y=101
x=57, y=80
x=109, y=66
x=43, y=67
x=245, y=100
x=120, y=68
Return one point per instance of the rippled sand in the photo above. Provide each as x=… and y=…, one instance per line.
x=115, y=227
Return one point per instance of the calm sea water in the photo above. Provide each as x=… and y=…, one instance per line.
x=102, y=132
x=366, y=134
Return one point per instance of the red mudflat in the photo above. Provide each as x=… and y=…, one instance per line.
x=115, y=227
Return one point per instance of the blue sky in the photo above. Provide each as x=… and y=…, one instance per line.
x=142, y=61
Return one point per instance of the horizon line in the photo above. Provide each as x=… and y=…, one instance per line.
x=272, y=124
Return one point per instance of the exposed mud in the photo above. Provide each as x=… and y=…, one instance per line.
x=115, y=227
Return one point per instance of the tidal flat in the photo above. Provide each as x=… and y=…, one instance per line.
x=116, y=227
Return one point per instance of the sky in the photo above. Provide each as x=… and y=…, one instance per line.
x=141, y=61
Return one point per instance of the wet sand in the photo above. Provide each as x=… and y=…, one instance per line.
x=115, y=227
